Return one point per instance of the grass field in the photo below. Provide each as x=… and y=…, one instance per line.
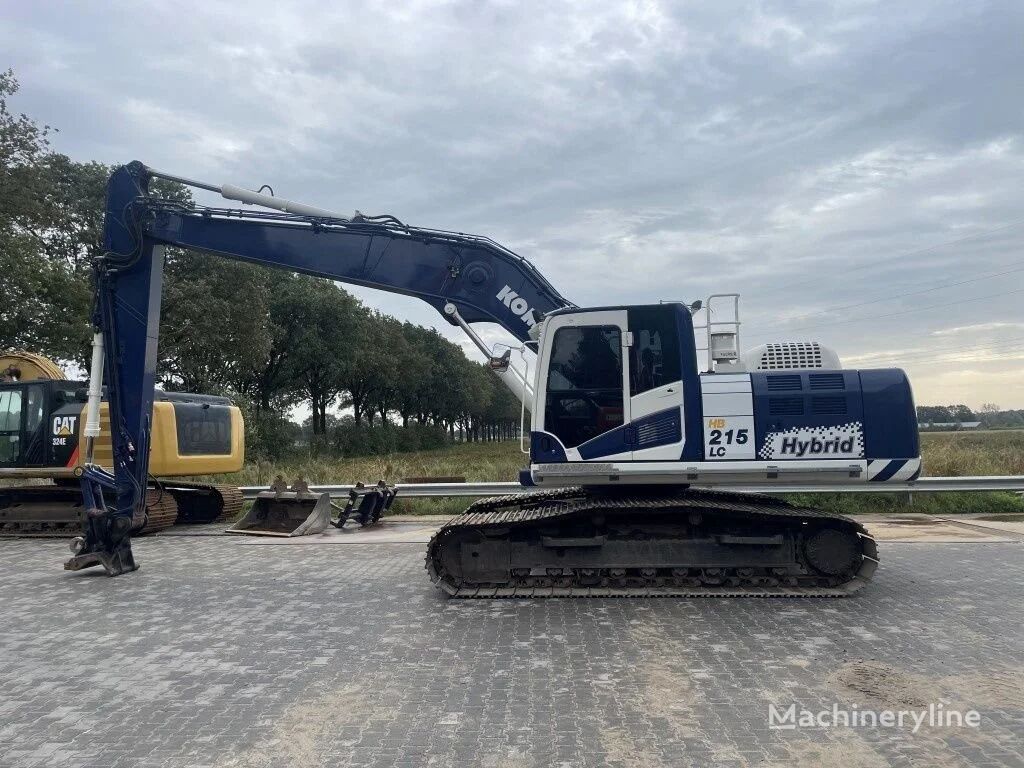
x=944, y=454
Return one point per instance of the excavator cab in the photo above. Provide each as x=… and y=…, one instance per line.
x=27, y=410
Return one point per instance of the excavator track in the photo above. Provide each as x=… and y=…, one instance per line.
x=57, y=511
x=577, y=542
x=205, y=503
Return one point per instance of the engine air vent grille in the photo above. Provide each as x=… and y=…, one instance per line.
x=786, y=406
x=797, y=354
x=784, y=383
x=826, y=381
x=828, y=404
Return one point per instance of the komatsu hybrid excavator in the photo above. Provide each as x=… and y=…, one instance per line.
x=638, y=460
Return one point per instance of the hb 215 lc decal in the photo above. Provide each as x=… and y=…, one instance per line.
x=843, y=441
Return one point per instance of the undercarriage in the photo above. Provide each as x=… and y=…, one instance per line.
x=58, y=510
x=649, y=542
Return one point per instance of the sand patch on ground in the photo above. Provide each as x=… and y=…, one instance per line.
x=1000, y=688
x=881, y=683
x=666, y=692
x=843, y=750
x=621, y=747
x=306, y=732
x=668, y=689
x=884, y=686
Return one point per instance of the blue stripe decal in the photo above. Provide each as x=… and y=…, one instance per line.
x=890, y=469
x=650, y=431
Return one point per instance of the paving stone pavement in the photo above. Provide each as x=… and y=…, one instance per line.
x=216, y=654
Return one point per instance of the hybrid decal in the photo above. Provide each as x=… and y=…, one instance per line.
x=518, y=305
x=842, y=441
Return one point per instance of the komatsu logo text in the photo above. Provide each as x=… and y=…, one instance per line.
x=816, y=447
x=518, y=305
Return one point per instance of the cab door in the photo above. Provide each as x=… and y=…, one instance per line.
x=584, y=409
x=11, y=427
x=655, y=384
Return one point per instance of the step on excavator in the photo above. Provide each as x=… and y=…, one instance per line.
x=637, y=459
x=40, y=437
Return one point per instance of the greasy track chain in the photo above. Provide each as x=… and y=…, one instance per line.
x=224, y=506
x=520, y=510
x=161, y=512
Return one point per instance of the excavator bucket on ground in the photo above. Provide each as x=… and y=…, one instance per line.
x=284, y=511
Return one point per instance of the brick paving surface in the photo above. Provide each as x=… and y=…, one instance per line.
x=217, y=654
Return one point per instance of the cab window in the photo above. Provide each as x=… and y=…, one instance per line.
x=584, y=387
x=203, y=429
x=10, y=426
x=654, y=358
x=34, y=446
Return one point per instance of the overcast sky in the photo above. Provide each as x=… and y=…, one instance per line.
x=854, y=169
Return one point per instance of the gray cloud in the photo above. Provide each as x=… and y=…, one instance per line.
x=809, y=155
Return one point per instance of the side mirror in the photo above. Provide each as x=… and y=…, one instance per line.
x=500, y=363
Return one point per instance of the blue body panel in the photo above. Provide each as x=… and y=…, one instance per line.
x=545, y=448
x=890, y=418
x=693, y=448
x=787, y=400
x=874, y=407
x=798, y=414
x=650, y=431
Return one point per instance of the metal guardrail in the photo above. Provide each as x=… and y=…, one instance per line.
x=410, y=490
x=921, y=485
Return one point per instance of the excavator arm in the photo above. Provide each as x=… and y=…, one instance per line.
x=469, y=279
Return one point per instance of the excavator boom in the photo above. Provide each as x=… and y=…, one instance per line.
x=469, y=279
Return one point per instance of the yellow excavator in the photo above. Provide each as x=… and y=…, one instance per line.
x=41, y=421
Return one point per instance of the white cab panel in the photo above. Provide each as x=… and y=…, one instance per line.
x=655, y=400
x=728, y=406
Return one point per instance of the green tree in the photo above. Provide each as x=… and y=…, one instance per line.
x=414, y=371
x=327, y=321
x=216, y=327
x=34, y=285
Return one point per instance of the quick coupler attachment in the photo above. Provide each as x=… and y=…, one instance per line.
x=107, y=542
x=366, y=505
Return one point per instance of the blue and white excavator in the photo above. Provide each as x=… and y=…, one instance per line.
x=643, y=457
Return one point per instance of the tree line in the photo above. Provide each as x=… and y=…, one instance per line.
x=272, y=340
x=990, y=415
